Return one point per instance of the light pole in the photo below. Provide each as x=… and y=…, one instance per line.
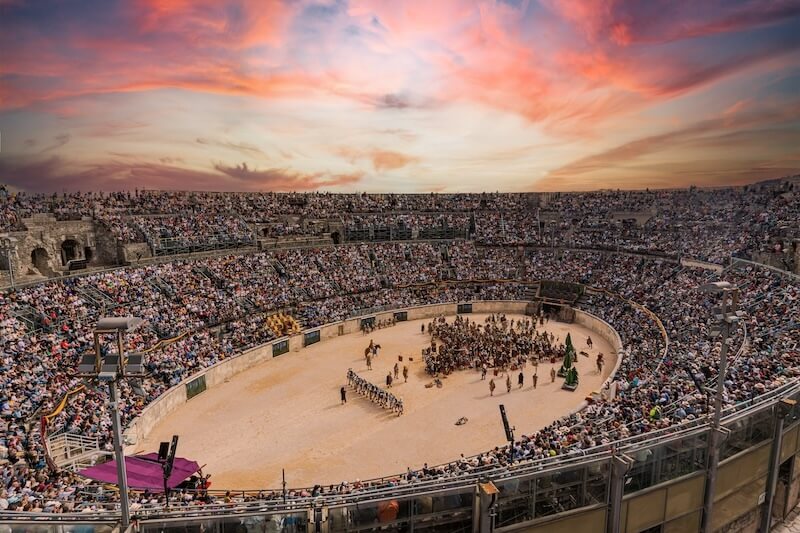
x=782, y=410
x=8, y=246
x=726, y=317
x=109, y=369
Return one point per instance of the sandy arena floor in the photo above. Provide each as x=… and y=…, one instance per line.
x=286, y=413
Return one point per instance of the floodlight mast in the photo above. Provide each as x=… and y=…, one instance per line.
x=727, y=316
x=110, y=369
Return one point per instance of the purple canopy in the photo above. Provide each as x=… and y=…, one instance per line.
x=144, y=472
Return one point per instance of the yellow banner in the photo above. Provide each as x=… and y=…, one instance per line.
x=165, y=342
x=63, y=403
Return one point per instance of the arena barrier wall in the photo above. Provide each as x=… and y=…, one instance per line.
x=604, y=330
x=661, y=487
x=214, y=375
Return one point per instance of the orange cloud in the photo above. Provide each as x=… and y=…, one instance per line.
x=585, y=70
x=381, y=159
x=741, y=134
x=388, y=160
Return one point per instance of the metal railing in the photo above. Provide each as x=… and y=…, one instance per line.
x=73, y=452
x=529, y=490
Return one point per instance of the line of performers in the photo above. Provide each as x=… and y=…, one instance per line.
x=373, y=393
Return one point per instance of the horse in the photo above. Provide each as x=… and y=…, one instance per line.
x=372, y=348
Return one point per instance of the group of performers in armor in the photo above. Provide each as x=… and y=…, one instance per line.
x=373, y=393
x=369, y=327
x=500, y=343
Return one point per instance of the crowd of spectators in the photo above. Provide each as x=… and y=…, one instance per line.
x=495, y=263
x=199, y=229
x=413, y=221
x=401, y=263
x=200, y=312
x=705, y=224
x=655, y=387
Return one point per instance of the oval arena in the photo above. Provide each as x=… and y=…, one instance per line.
x=249, y=327
x=335, y=441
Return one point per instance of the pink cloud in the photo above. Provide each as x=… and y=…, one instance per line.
x=192, y=45
x=208, y=22
x=414, y=20
x=56, y=173
x=485, y=52
x=575, y=68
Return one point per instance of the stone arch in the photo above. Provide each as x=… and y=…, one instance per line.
x=70, y=249
x=40, y=259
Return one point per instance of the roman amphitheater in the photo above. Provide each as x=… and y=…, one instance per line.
x=155, y=314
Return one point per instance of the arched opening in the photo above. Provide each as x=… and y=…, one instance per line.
x=40, y=259
x=69, y=251
x=335, y=237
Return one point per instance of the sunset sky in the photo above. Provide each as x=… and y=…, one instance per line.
x=397, y=95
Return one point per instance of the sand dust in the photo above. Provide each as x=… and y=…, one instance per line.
x=286, y=413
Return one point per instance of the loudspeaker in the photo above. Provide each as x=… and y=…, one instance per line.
x=163, y=451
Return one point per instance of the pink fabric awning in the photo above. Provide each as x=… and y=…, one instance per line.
x=144, y=472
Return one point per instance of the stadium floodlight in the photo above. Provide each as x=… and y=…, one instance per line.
x=717, y=286
x=124, y=364
x=109, y=368
x=125, y=324
x=725, y=316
